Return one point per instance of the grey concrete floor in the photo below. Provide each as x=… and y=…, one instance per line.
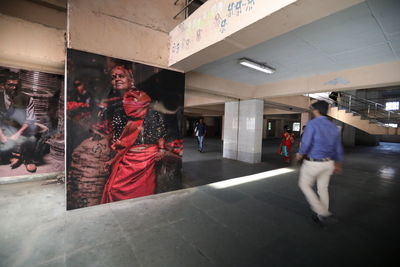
x=260, y=223
x=218, y=168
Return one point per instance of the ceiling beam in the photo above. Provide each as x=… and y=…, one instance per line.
x=206, y=41
x=372, y=76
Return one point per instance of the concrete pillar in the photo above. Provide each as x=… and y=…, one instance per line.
x=279, y=128
x=251, y=114
x=348, y=135
x=231, y=120
x=222, y=130
x=265, y=129
x=243, y=125
x=305, y=117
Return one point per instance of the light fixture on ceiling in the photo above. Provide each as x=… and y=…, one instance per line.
x=255, y=65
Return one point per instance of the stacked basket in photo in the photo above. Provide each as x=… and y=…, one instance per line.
x=57, y=141
x=44, y=88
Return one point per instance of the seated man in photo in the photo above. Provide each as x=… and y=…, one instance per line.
x=17, y=126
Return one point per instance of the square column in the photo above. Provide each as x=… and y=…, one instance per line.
x=250, y=130
x=305, y=117
x=243, y=125
x=230, y=130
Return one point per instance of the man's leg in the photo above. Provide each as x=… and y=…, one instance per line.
x=10, y=149
x=323, y=186
x=28, y=152
x=198, y=143
x=201, y=138
x=5, y=153
x=309, y=173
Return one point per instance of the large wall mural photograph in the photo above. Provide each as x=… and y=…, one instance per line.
x=124, y=125
x=31, y=122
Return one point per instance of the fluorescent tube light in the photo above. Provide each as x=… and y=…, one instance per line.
x=257, y=66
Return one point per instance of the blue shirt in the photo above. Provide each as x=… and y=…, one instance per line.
x=321, y=139
x=201, y=128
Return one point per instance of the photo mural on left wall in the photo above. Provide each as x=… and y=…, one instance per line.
x=31, y=122
x=124, y=129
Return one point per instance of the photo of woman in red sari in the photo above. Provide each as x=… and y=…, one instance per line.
x=138, y=140
x=126, y=140
x=286, y=144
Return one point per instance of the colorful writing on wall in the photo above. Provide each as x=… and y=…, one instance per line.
x=216, y=20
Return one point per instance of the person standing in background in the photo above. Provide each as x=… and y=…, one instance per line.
x=286, y=144
x=200, y=131
x=322, y=151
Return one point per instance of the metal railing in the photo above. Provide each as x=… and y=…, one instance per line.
x=367, y=109
x=187, y=5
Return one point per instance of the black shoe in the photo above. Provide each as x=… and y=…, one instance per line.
x=324, y=220
x=329, y=219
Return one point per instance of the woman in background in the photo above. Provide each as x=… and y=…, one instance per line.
x=286, y=144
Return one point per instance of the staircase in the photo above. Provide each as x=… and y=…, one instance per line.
x=364, y=114
x=357, y=121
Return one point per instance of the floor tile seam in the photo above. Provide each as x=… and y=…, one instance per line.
x=64, y=235
x=206, y=195
x=127, y=239
x=266, y=220
x=194, y=246
x=171, y=223
x=162, y=225
x=221, y=222
x=38, y=235
x=212, y=208
x=191, y=244
x=50, y=260
x=209, y=216
x=301, y=202
x=360, y=187
x=369, y=194
x=77, y=250
x=294, y=212
x=296, y=201
x=238, y=232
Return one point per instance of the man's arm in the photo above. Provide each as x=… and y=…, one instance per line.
x=306, y=142
x=3, y=138
x=19, y=132
x=30, y=119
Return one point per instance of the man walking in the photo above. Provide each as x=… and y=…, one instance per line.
x=200, y=130
x=322, y=152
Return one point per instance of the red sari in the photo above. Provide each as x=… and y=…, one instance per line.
x=132, y=169
x=286, y=145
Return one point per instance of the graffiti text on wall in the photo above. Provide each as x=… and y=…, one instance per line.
x=217, y=19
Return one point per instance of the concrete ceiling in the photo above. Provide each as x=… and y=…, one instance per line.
x=365, y=34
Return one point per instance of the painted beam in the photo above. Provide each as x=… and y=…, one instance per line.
x=223, y=27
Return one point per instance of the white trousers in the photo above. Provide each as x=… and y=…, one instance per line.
x=312, y=172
